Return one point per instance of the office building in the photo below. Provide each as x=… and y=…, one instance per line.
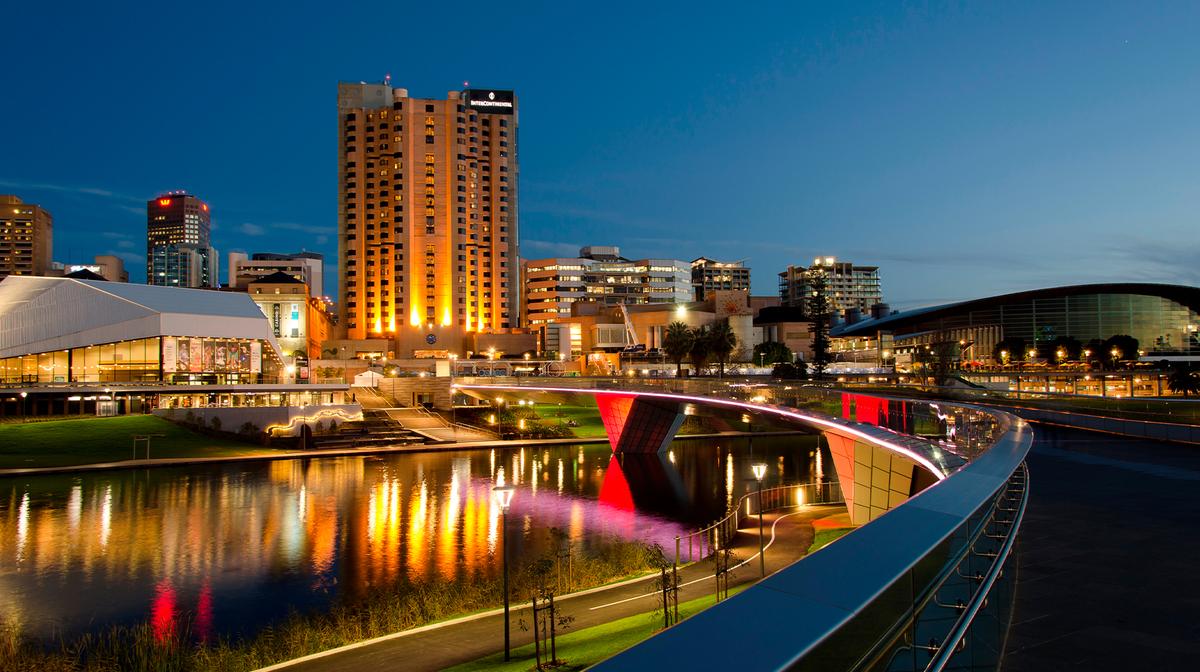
x=427, y=216
x=179, y=252
x=307, y=267
x=600, y=275
x=852, y=290
x=26, y=238
x=105, y=266
x=709, y=275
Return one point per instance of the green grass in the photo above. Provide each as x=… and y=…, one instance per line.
x=824, y=537
x=588, y=417
x=89, y=440
x=589, y=646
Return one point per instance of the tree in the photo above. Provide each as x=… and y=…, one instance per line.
x=677, y=343
x=698, y=353
x=772, y=352
x=818, y=309
x=722, y=343
x=1070, y=349
x=1009, y=349
x=1120, y=347
x=941, y=360
x=790, y=371
x=1184, y=380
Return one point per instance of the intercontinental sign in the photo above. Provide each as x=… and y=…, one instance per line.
x=490, y=101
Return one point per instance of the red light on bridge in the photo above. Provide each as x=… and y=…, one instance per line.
x=164, y=202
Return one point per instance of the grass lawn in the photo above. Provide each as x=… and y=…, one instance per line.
x=587, y=415
x=589, y=646
x=88, y=440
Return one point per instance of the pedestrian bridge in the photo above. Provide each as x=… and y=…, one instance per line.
x=939, y=488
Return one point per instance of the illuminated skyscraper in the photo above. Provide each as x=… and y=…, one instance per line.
x=427, y=216
x=178, y=250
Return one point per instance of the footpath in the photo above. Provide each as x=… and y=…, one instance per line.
x=440, y=645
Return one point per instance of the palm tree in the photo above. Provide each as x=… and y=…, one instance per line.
x=1183, y=379
x=722, y=342
x=698, y=353
x=677, y=343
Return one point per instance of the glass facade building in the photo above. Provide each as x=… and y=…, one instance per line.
x=1164, y=319
x=165, y=359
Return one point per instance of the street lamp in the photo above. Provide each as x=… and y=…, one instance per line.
x=760, y=470
x=1116, y=355
x=503, y=494
x=23, y=411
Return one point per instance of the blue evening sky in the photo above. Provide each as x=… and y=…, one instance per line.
x=966, y=150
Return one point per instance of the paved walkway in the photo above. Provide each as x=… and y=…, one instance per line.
x=462, y=640
x=1108, y=552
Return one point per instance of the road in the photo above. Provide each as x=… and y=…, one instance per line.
x=1108, y=553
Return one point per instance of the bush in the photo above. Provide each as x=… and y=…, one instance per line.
x=215, y=423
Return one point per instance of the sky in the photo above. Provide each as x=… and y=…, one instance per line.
x=965, y=150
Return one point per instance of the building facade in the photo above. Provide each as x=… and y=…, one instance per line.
x=850, y=287
x=299, y=321
x=64, y=330
x=1163, y=318
x=26, y=238
x=106, y=266
x=427, y=216
x=307, y=267
x=600, y=275
x=709, y=275
x=179, y=251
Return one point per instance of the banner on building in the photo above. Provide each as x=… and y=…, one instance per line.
x=255, y=357
x=197, y=355
x=169, y=361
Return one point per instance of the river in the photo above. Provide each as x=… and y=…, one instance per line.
x=236, y=546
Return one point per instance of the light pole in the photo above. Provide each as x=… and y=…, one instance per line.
x=503, y=495
x=453, y=410
x=24, y=414
x=760, y=470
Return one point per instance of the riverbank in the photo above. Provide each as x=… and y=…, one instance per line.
x=472, y=638
x=75, y=442
x=257, y=453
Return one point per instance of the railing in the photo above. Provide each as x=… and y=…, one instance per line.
x=706, y=541
x=926, y=586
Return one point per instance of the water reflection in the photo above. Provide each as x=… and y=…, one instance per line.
x=234, y=547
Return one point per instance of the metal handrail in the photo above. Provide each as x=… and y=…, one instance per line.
x=716, y=535
x=958, y=631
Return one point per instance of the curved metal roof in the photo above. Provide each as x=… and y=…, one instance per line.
x=1182, y=294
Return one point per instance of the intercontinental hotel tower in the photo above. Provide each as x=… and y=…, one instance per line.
x=427, y=216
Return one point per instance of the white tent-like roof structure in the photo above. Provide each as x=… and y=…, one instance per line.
x=368, y=379
x=46, y=314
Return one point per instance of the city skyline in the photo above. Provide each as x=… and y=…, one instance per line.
x=930, y=136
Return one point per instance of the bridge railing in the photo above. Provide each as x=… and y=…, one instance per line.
x=704, y=542
x=926, y=586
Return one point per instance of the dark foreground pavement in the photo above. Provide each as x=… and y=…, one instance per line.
x=1109, y=553
x=454, y=643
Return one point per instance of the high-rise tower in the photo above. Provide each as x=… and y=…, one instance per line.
x=427, y=216
x=178, y=250
x=26, y=238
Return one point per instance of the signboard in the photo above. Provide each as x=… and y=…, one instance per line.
x=275, y=318
x=255, y=357
x=490, y=101
x=196, y=355
x=168, y=355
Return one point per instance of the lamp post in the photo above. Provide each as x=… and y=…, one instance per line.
x=24, y=415
x=453, y=410
x=503, y=495
x=760, y=470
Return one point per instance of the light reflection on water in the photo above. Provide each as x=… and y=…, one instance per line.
x=234, y=547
